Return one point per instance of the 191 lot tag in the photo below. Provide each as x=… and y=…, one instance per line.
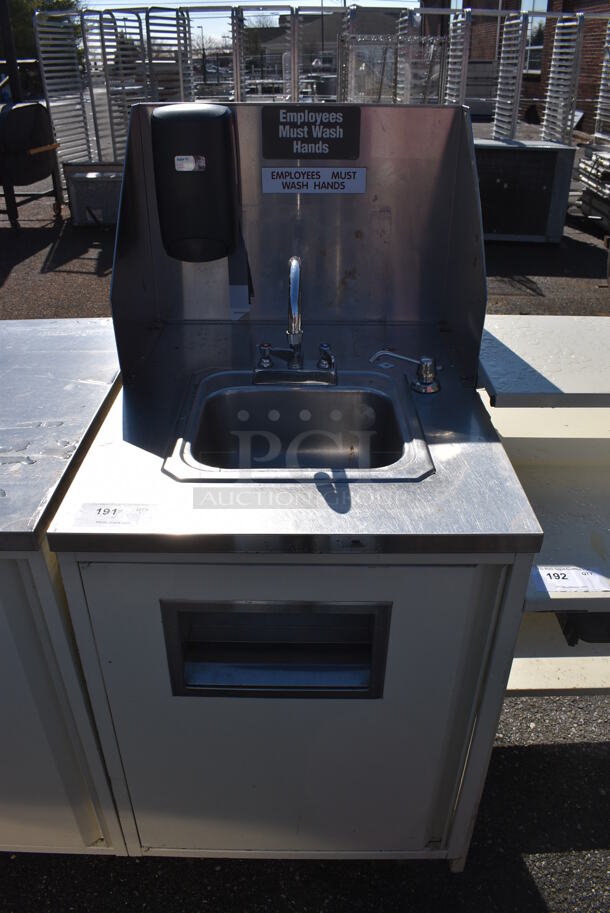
x=112, y=514
x=567, y=579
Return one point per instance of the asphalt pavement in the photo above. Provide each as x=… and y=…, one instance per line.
x=542, y=838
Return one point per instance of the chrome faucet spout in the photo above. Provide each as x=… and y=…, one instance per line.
x=324, y=371
x=294, y=331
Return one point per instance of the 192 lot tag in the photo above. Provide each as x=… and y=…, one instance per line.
x=567, y=579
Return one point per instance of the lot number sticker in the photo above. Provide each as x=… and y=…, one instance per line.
x=112, y=514
x=559, y=579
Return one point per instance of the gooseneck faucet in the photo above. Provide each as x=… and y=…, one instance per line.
x=323, y=371
x=294, y=331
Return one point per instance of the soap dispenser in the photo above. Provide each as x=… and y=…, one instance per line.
x=195, y=162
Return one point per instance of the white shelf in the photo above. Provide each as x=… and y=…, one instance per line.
x=572, y=504
x=546, y=361
x=545, y=664
x=562, y=458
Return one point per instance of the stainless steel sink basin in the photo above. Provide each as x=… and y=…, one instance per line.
x=364, y=427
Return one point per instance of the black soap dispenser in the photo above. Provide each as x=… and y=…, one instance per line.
x=195, y=163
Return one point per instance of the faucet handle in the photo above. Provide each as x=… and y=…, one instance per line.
x=326, y=359
x=265, y=360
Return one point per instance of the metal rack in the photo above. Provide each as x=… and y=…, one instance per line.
x=405, y=67
x=93, y=27
x=63, y=85
x=295, y=57
x=558, y=121
x=117, y=74
x=457, y=58
x=421, y=64
x=170, y=54
x=96, y=64
x=367, y=70
x=266, y=73
x=510, y=74
x=347, y=31
x=237, y=34
x=602, y=121
x=371, y=68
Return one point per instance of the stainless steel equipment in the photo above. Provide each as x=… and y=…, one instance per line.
x=324, y=371
x=427, y=374
x=58, y=379
x=294, y=331
x=602, y=120
x=296, y=601
x=94, y=192
x=510, y=75
x=540, y=172
x=364, y=427
x=560, y=101
x=394, y=236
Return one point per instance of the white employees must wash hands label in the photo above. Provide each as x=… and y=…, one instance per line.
x=284, y=179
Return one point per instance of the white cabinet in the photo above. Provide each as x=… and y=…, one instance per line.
x=53, y=790
x=237, y=772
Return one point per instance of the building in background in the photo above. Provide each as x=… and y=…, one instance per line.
x=486, y=45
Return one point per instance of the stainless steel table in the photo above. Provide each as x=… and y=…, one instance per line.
x=58, y=378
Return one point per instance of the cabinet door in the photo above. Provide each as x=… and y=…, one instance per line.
x=244, y=770
x=45, y=802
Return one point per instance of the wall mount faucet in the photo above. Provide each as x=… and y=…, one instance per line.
x=426, y=380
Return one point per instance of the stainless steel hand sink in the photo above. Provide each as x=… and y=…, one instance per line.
x=364, y=427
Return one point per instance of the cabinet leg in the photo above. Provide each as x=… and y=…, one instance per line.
x=457, y=865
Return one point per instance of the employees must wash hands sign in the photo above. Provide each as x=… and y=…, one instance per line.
x=312, y=132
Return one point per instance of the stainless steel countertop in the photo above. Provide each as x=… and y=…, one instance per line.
x=120, y=499
x=56, y=376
